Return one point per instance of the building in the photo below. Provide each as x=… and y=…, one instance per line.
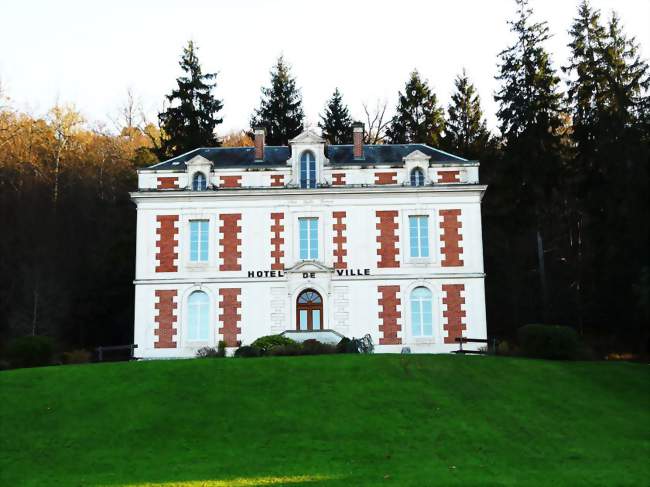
x=237, y=243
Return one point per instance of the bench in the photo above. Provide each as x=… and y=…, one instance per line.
x=461, y=340
x=101, y=350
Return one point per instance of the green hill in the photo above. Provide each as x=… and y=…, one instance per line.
x=407, y=420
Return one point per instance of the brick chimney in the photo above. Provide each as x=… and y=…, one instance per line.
x=260, y=133
x=357, y=139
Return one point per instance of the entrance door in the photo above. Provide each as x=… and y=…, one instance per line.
x=309, y=311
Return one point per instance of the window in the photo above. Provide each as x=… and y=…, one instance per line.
x=419, y=235
x=309, y=311
x=308, y=238
x=198, y=240
x=421, y=312
x=199, y=183
x=417, y=177
x=307, y=170
x=198, y=316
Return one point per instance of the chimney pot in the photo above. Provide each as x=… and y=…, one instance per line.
x=260, y=134
x=357, y=139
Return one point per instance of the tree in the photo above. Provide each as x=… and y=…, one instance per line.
x=466, y=133
x=419, y=119
x=336, y=123
x=237, y=139
x=376, y=122
x=530, y=123
x=191, y=117
x=280, y=111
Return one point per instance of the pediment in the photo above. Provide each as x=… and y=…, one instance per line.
x=307, y=137
x=417, y=155
x=198, y=160
x=308, y=266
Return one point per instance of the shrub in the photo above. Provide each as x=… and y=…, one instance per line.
x=247, y=351
x=221, y=348
x=76, y=357
x=207, y=352
x=267, y=343
x=30, y=351
x=314, y=347
x=549, y=341
x=347, y=346
x=289, y=349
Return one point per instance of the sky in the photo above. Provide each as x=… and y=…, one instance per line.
x=89, y=53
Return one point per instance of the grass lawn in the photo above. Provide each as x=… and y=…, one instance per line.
x=402, y=420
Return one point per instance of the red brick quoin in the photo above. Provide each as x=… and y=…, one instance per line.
x=167, y=243
x=454, y=312
x=230, y=181
x=277, y=179
x=339, y=240
x=229, y=317
x=277, y=229
x=229, y=241
x=451, y=238
x=449, y=176
x=165, y=319
x=389, y=314
x=167, y=183
x=387, y=239
x=386, y=177
x=338, y=179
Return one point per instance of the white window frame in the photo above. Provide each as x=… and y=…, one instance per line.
x=433, y=236
x=322, y=236
x=184, y=248
x=438, y=332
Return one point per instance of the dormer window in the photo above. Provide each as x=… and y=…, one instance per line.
x=199, y=182
x=417, y=177
x=307, y=170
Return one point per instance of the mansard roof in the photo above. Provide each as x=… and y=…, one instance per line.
x=244, y=157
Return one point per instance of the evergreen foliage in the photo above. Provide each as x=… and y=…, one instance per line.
x=191, y=118
x=336, y=123
x=280, y=111
x=466, y=133
x=419, y=119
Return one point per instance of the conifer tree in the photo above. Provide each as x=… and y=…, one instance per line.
x=280, y=111
x=192, y=116
x=530, y=123
x=336, y=123
x=466, y=132
x=419, y=119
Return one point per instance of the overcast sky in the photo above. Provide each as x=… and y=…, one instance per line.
x=88, y=52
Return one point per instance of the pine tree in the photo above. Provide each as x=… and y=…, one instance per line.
x=336, y=123
x=530, y=122
x=280, y=111
x=191, y=118
x=419, y=119
x=466, y=133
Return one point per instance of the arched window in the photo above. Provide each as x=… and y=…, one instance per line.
x=417, y=177
x=198, y=316
x=421, y=312
x=309, y=311
x=199, y=183
x=307, y=170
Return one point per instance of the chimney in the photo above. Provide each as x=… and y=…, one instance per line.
x=357, y=139
x=260, y=133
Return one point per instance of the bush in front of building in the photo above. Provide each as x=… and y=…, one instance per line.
x=314, y=347
x=247, y=351
x=268, y=343
x=347, y=346
x=550, y=342
x=76, y=357
x=30, y=351
x=288, y=350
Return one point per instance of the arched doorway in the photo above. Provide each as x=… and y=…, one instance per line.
x=309, y=311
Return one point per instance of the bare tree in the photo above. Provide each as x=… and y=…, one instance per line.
x=64, y=121
x=130, y=114
x=376, y=121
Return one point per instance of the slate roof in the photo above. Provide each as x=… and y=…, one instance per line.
x=244, y=157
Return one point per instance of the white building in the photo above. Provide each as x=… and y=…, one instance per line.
x=237, y=243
